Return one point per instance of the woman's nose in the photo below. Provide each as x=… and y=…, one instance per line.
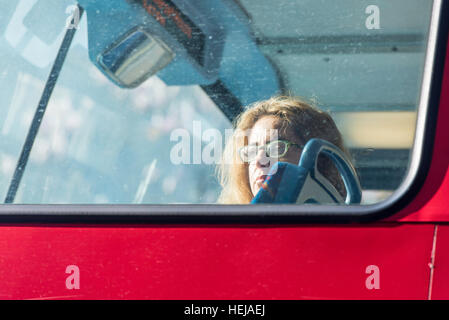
x=262, y=161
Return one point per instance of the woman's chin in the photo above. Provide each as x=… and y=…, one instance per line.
x=257, y=187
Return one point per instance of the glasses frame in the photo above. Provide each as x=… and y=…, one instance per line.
x=265, y=148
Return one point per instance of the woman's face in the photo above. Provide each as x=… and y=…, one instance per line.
x=261, y=134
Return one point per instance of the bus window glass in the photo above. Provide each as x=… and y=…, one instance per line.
x=161, y=141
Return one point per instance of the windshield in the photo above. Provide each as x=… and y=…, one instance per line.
x=158, y=137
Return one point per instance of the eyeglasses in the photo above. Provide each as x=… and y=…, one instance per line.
x=273, y=149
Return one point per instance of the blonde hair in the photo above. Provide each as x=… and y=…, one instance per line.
x=304, y=121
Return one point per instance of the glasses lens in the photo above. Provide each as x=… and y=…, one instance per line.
x=277, y=149
x=248, y=153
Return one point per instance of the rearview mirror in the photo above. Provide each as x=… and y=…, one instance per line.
x=135, y=57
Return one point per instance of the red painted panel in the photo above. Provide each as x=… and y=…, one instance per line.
x=215, y=262
x=440, y=283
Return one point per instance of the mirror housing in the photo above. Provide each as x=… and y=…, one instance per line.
x=174, y=39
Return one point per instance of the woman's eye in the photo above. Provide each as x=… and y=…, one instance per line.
x=248, y=152
x=276, y=149
x=252, y=151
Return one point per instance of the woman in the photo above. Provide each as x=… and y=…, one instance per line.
x=268, y=131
